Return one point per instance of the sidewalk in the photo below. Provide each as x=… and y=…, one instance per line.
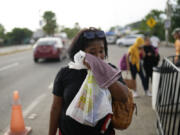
x=145, y=121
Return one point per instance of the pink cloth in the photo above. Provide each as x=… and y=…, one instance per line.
x=104, y=74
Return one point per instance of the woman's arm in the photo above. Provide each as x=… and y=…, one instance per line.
x=119, y=91
x=143, y=52
x=55, y=115
x=127, y=61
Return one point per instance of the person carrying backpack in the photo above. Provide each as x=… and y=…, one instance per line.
x=134, y=63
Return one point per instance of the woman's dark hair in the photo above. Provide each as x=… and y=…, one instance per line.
x=81, y=43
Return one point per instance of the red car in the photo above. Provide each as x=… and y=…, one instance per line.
x=49, y=48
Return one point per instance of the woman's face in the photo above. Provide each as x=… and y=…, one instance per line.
x=96, y=48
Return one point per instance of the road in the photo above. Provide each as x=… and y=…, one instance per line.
x=34, y=81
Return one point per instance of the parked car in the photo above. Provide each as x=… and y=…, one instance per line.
x=110, y=37
x=128, y=40
x=49, y=48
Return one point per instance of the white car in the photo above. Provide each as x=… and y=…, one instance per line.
x=111, y=39
x=128, y=40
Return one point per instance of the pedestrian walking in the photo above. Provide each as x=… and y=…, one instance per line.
x=68, y=82
x=155, y=41
x=176, y=35
x=134, y=63
x=150, y=59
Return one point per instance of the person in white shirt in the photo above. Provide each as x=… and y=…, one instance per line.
x=155, y=41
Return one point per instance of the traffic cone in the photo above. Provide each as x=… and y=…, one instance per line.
x=17, y=126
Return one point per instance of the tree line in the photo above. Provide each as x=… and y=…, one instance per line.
x=24, y=35
x=50, y=27
x=160, y=18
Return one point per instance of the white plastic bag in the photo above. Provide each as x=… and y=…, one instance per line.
x=91, y=103
x=78, y=61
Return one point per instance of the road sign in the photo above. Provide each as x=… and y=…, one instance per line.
x=151, y=22
x=167, y=24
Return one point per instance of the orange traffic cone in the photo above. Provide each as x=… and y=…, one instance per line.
x=17, y=126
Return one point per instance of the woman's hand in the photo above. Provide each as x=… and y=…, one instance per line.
x=119, y=91
x=127, y=62
x=128, y=67
x=86, y=64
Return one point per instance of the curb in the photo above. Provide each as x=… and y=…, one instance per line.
x=15, y=51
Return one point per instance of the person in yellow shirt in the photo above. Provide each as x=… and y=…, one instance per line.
x=134, y=65
x=176, y=35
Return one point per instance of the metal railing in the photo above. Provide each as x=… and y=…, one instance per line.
x=168, y=99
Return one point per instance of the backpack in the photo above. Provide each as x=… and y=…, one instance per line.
x=123, y=112
x=122, y=62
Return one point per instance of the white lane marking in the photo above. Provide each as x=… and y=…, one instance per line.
x=32, y=116
x=50, y=86
x=9, y=66
x=33, y=104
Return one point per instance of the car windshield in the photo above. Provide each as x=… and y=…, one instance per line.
x=48, y=42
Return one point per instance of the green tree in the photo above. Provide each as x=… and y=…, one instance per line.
x=158, y=29
x=175, y=18
x=18, y=36
x=50, y=23
x=2, y=30
x=112, y=28
x=71, y=32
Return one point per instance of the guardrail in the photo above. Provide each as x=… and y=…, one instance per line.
x=168, y=99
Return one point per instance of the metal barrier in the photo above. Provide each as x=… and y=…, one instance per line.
x=168, y=99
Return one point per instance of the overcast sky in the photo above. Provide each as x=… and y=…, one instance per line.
x=97, y=13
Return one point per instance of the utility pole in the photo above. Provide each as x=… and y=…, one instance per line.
x=167, y=23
